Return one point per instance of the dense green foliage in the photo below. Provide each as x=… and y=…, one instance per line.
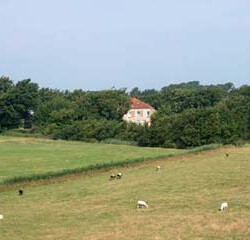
x=188, y=114
x=201, y=115
x=17, y=102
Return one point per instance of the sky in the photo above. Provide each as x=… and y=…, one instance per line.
x=100, y=44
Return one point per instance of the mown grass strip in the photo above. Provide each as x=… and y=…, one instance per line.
x=102, y=166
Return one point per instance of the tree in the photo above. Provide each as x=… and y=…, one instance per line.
x=5, y=84
x=24, y=98
x=108, y=104
x=9, y=117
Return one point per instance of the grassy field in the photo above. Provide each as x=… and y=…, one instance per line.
x=26, y=156
x=183, y=197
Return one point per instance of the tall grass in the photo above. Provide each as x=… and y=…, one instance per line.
x=21, y=132
x=119, y=142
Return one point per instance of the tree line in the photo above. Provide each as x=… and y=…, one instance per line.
x=188, y=114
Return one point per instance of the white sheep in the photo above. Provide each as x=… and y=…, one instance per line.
x=223, y=206
x=158, y=168
x=1, y=216
x=142, y=204
x=112, y=177
x=119, y=175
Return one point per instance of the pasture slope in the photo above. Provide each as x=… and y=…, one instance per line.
x=183, y=197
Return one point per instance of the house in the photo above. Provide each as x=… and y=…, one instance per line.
x=140, y=112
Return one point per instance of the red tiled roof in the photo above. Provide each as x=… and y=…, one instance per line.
x=138, y=104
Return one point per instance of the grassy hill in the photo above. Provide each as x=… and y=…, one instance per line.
x=183, y=197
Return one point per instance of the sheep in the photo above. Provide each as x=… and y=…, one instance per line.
x=227, y=155
x=20, y=192
x=1, y=216
x=112, y=177
x=142, y=204
x=223, y=206
x=119, y=175
x=158, y=168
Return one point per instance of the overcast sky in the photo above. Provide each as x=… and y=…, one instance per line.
x=98, y=44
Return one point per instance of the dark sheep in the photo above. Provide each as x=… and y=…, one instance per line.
x=20, y=192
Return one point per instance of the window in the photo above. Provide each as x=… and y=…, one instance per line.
x=148, y=113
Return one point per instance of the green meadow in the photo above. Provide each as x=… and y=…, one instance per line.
x=183, y=197
x=26, y=156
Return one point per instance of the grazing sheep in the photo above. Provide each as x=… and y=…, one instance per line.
x=223, y=206
x=158, y=168
x=227, y=155
x=1, y=216
x=142, y=204
x=20, y=192
x=119, y=175
x=112, y=177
